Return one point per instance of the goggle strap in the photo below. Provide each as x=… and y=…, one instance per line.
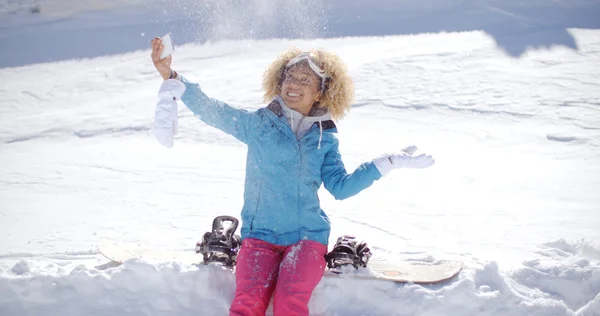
x=304, y=56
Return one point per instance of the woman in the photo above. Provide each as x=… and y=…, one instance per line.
x=292, y=150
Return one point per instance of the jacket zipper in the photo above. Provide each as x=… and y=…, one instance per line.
x=299, y=176
x=256, y=207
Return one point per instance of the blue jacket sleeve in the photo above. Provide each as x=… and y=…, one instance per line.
x=235, y=122
x=341, y=184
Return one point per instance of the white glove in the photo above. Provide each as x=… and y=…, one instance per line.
x=165, y=119
x=404, y=159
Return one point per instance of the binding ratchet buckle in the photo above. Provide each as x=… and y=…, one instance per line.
x=221, y=245
x=348, y=251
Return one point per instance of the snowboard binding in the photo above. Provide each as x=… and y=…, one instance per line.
x=221, y=245
x=348, y=251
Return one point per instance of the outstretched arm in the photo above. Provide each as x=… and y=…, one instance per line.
x=340, y=183
x=343, y=185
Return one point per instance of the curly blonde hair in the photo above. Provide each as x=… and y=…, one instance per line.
x=339, y=92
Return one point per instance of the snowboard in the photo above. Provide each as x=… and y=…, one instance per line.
x=378, y=268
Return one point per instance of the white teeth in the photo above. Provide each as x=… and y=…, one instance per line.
x=293, y=94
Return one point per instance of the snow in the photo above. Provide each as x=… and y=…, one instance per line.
x=504, y=94
x=558, y=287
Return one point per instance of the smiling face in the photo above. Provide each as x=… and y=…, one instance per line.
x=300, y=88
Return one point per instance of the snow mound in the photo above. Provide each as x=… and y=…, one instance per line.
x=568, y=272
x=135, y=288
x=564, y=280
x=20, y=268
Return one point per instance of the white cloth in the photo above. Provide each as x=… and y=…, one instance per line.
x=404, y=159
x=165, y=119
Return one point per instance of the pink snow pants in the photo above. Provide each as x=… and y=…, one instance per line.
x=291, y=272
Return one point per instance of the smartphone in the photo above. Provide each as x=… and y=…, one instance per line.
x=169, y=48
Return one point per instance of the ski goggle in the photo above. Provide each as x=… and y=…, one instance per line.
x=312, y=63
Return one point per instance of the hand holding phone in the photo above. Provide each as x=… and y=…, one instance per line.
x=169, y=48
x=162, y=48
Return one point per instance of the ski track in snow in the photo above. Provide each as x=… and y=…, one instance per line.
x=514, y=192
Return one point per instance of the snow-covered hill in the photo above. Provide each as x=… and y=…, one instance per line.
x=34, y=31
x=512, y=117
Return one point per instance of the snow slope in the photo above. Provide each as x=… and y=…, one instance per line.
x=66, y=29
x=514, y=192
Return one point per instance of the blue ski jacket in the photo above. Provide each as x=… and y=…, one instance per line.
x=283, y=174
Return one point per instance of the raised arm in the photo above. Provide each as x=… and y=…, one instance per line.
x=235, y=122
